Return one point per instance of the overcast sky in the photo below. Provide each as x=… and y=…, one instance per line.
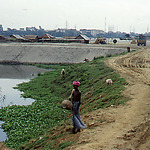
x=121, y=15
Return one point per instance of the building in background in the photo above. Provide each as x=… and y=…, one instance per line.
x=1, y=27
x=83, y=37
x=31, y=38
x=40, y=28
x=31, y=29
x=17, y=38
x=46, y=36
x=22, y=29
x=91, y=32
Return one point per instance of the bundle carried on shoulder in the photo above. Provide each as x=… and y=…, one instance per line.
x=66, y=104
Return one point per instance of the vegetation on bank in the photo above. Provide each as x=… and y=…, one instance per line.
x=23, y=123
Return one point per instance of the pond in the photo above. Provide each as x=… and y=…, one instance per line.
x=10, y=76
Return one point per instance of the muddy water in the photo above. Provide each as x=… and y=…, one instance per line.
x=10, y=76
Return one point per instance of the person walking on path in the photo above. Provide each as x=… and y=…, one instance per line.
x=75, y=97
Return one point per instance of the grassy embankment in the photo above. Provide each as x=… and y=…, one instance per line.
x=25, y=123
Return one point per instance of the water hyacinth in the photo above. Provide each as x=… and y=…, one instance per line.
x=23, y=123
x=21, y=120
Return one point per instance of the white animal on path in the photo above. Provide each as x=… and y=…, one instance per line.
x=109, y=81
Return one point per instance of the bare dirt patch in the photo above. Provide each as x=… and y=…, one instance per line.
x=129, y=125
x=3, y=147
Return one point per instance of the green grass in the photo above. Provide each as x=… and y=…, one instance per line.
x=23, y=123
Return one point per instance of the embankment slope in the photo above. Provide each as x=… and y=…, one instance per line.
x=54, y=53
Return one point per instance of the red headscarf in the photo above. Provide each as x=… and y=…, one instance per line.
x=76, y=83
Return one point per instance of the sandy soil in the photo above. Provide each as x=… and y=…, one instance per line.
x=126, y=127
x=3, y=147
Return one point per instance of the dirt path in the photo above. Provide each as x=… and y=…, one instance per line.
x=3, y=147
x=126, y=127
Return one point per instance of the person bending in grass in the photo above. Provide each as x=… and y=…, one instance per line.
x=75, y=97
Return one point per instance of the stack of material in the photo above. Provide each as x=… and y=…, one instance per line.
x=133, y=42
x=66, y=104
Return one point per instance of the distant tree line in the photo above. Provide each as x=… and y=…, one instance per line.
x=41, y=32
x=70, y=32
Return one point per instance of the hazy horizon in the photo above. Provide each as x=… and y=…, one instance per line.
x=124, y=16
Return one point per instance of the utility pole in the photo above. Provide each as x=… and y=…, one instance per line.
x=66, y=24
x=75, y=27
x=105, y=24
x=147, y=28
x=130, y=28
x=66, y=28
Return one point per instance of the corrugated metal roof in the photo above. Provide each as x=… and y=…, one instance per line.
x=49, y=36
x=46, y=36
x=17, y=36
x=83, y=37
